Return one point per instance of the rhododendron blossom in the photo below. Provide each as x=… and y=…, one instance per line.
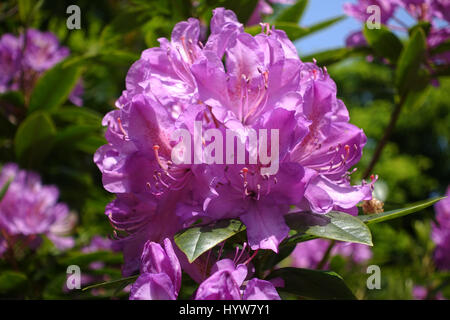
x=233, y=85
x=30, y=210
x=25, y=58
x=227, y=283
x=309, y=254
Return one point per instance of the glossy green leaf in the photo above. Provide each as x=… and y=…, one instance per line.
x=293, y=13
x=11, y=280
x=197, y=240
x=54, y=87
x=270, y=259
x=334, y=225
x=384, y=42
x=313, y=284
x=114, y=284
x=409, y=61
x=34, y=138
x=393, y=214
x=328, y=57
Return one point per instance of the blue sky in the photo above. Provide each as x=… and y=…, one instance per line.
x=332, y=37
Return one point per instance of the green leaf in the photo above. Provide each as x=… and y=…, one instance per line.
x=328, y=57
x=123, y=23
x=25, y=8
x=197, y=240
x=34, y=138
x=120, y=283
x=393, y=214
x=11, y=280
x=77, y=115
x=242, y=8
x=324, y=24
x=334, y=225
x=385, y=43
x=5, y=188
x=74, y=134
x=441, y=48
x=54, y=87
x=270, y=259
x=90, y=144
x=294, y=31
x=13, y=97
x=410, y=61
x=313, y=284
x=293, y=13
x=117, y=57
x=424, y=25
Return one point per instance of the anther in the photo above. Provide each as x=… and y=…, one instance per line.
x=258, y=187
x=266, y=79
x=119, y=121
x=156, y=149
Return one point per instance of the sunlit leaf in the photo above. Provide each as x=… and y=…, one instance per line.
x=389, y=215
x=313, y=284
x=334, y=225
x=197, y=240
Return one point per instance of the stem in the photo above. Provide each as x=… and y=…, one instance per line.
x=326, y=255
x=387, y=134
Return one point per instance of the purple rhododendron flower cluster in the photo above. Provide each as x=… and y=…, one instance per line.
x=25, y=58
x=310, y=253
x=422, y=293
x=160, y=278
x=238, y=82
x=441, y=233
x=29, y=210
x=422, y=10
